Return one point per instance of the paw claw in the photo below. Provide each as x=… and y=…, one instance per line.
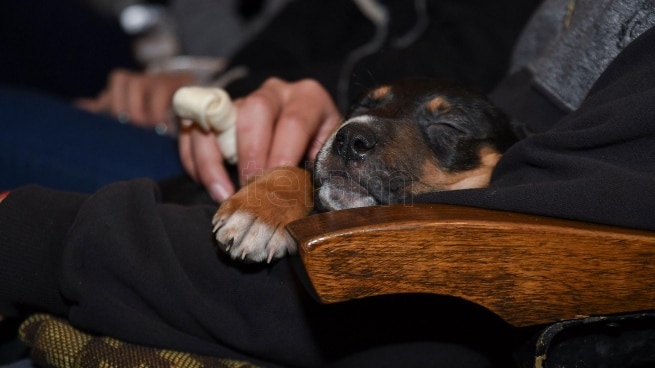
x=218, y=224
x=246, y=234
x=225, y=246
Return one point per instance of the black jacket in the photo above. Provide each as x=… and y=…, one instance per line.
x=468, y=40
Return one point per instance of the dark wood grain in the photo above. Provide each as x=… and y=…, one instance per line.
x=527, y=269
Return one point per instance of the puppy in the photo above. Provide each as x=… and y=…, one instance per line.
x=400, y=140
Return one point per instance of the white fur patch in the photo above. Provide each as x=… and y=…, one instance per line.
x=339, y=199
x=251, y=239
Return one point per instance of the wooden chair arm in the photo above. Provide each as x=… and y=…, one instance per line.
x=527, y=269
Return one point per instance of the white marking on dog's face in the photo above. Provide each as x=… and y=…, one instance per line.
x=335, y=197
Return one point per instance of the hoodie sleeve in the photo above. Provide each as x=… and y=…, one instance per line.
x=121, y=263
x=34, y=223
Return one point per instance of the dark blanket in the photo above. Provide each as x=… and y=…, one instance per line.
x=596, y=164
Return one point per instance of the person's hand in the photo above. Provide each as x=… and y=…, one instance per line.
x=277, y=125
x=140, y=98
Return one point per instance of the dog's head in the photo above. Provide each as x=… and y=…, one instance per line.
x=407, y=138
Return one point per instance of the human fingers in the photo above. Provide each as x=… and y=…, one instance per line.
x=331, y=121
x=208, y=164
x=161, y=89
x=136, y=88
x=128, y=96
x=99, y=104
x=308, y=116
x=184, y=148
x=256, y=117
x=116, y=93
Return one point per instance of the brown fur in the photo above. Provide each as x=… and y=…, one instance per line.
x=434, y=179
x=281, y=195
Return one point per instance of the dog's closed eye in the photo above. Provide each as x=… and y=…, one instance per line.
x=454, y=145
x=444, y=126
x=443, y=136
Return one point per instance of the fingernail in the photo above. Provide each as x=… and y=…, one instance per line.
x=218, y=192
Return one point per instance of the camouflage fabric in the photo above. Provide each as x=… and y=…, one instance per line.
x=55, y=343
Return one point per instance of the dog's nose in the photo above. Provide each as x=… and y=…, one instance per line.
x=354, y=141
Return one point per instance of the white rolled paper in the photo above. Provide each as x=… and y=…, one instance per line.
x=212, y=109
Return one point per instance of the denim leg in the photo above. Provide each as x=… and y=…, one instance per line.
x=47, y=141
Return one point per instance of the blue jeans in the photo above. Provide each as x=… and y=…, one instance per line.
x=47, y=141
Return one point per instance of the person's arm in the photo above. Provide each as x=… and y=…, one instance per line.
x=138, y=97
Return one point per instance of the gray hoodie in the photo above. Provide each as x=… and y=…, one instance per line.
x=568, y=43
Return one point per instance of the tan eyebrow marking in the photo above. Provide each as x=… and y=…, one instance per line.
x=380, y=93
x=438, y=104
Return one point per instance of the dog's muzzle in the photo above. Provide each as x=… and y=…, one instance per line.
x=349, y=145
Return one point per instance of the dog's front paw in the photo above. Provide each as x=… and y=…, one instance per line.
x=245, y=235
x=251, y=225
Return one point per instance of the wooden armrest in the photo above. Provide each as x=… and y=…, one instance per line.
x=527, y=269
